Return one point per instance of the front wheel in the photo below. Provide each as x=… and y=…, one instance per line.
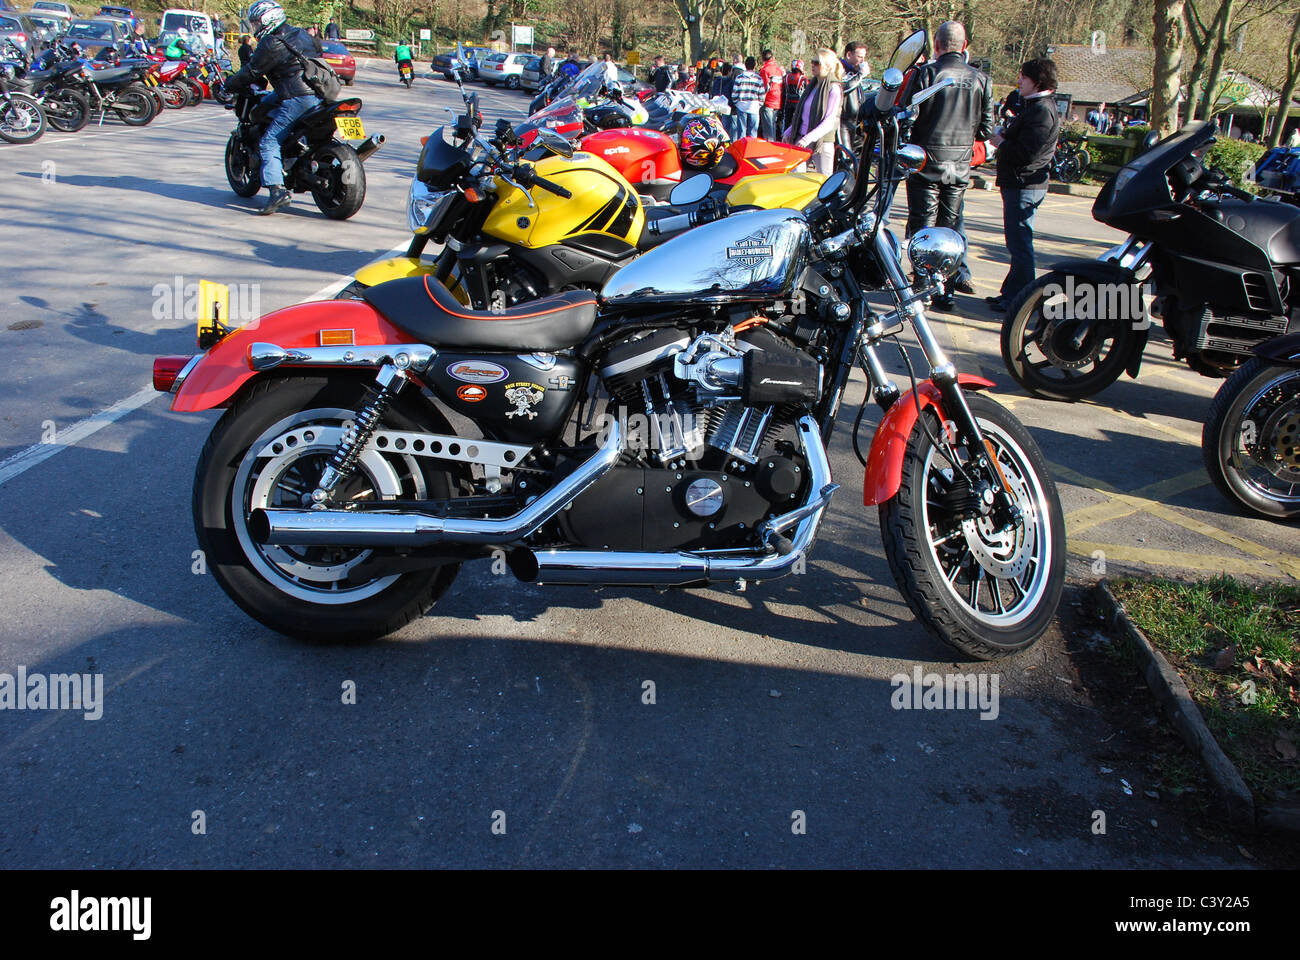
x=134, y=106
x=67, y=110
x=21, y=119
x=267, y=451
x=1251, y=439
x=987, y=591
x=340, y=181
x=243, y=167
x=1055, y=346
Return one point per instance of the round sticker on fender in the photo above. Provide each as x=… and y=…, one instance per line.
x=477, y=371
x=471, y=393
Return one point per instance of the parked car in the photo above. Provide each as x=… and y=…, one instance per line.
x=95, y=35
x=531, y=78
x=122, y=13
x=52, y=6
x=24, y=32
x=338, y=57
x=503, y=68
x=443, y=62
x=50, y=22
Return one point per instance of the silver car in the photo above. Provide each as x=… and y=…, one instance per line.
x=506, y=68
x=30, y=37
x=55, y=7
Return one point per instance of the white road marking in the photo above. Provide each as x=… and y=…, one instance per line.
x=63, y=439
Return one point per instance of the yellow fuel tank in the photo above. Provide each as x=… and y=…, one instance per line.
x=769, y=191
x=602, y=203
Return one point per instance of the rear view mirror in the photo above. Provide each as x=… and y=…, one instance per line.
x=906, y=53
x=692, y=190
x=555, y=143
x=831, y=186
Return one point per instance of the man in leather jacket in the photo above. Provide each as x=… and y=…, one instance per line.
x=278, y=58
x=948, y=125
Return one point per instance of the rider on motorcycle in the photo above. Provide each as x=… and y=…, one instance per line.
x=176, y=49
x=403, y=55
x=279, y=58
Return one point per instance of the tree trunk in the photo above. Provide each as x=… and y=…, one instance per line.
x=837, y=44
x=1289, y=87
x=1218, y=47
x=1168, y=43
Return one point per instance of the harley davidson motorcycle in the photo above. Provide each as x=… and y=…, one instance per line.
x=1251, y=439
x=334, y=498
x=1224, y=267
x=315, y=159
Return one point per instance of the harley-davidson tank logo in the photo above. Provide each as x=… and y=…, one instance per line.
x=477, y=371
x=750, y=251
x=471, y=393
x=524, y=396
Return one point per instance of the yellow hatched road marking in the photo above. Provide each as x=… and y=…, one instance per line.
x=1151, y=557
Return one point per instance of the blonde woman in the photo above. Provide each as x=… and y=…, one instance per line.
x=817, y=117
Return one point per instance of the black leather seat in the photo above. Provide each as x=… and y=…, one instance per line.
x=1270, y=225
x=110, y=74
x=426, y=310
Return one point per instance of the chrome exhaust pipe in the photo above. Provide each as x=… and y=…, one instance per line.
x=681, y=569
x=370, y=145
x=353, y=528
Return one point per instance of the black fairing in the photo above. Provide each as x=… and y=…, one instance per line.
x=442, y=164
x=1284, y=350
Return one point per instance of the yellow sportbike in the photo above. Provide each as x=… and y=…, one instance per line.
x=514, y=229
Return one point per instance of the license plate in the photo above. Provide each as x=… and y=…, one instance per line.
x=203, y=71
x=350, y=127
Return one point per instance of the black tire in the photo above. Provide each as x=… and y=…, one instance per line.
x=345, y=191
x=1069, y=170
x=222, y=96
x=1222, y=439
x=22, y=120
x=260, y=584
x=243, y=168
x=348, y=81
x=194, y=92
x=449, y=77
x=1025, y=325
x=351, y=292
x=134, y=106
x=905, y=524
x=174, y=95
x=67, y=110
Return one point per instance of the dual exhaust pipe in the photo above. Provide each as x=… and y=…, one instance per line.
x=566, y=566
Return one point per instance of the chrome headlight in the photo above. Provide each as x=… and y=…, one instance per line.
x=936, y=250
x=421, y=204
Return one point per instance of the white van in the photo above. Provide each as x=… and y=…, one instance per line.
x=191, y=23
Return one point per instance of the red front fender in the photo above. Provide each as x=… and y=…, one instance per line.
x=885, y=459
x=223, y=370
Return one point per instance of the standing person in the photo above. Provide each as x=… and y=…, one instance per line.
x=704, y=79
x=792, y=88
x=547, y=67
x=332, y=29
x=723, y=88
x=747, y=93
x=278, y=59
x=1293, y=141
x=855, y=60
x=817, y=115
x=683, y=77
x=947, y=127
x=611, y=70
x=856, y=72
x=1025, y=149
x=660, y=77
x=245, y=50
x=769, y=126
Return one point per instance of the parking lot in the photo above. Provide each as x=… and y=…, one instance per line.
x=514, y=698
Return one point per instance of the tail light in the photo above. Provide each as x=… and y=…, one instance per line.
x=348, y=107
x=22, y=37
x=166, y=370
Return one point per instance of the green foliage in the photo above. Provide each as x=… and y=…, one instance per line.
x=1236, y=158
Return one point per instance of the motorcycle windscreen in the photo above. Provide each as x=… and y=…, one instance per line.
x=1142, y=183
x=563, y=116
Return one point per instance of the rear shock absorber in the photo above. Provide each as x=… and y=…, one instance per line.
x=355, y=437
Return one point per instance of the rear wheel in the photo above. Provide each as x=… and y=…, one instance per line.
x=512, y=83
x=1070, y=170
x=67, y=110
x=1251, y=439
x=1039, y=344
x=21, y=119
x=268, y=451
x=193, y=92
x=134, y=106
x=174, y=96
x=342, y=176
x=986, y=591
x=243, y=167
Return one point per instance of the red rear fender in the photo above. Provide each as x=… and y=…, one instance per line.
x=224, y=369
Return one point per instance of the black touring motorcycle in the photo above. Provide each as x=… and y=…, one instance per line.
x=1224, y=267
x=316, y=160
x=334, y=498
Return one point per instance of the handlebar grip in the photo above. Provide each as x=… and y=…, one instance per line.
x=885, y=98
x=554, y=188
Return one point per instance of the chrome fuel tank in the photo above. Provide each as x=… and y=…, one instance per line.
x=747, y=256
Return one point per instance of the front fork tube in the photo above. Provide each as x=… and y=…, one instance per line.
x=944, y=376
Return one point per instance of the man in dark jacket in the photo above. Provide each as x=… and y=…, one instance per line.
x=546, y=69
x=245, y=50
x=661, y=76
x=1025, y=149
x=948, y=125
x=278, y=59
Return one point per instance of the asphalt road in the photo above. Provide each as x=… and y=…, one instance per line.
x=511, y=704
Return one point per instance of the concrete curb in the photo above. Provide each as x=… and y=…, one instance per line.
x=1073, y=189
x=1172, y=694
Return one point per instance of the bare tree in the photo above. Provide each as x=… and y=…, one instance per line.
x=1168, y=44
x=1289, y=85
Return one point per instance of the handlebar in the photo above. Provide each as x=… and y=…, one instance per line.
x=554, y=188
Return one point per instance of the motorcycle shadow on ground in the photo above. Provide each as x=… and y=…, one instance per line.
x=180, y=192
x=96, y=537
